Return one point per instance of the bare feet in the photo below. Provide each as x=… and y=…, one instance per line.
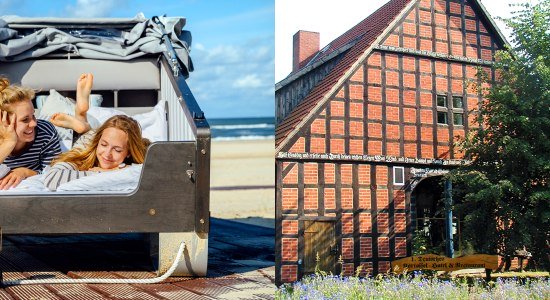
x=83, y=90
x=70, y=122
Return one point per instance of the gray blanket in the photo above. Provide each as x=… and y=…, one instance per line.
x=96, y=43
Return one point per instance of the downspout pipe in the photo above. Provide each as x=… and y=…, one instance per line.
x=449, y=249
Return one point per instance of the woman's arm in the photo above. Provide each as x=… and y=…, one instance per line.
x=8, y=137
x=52, y=147
x=63, y=172
x=5, y=150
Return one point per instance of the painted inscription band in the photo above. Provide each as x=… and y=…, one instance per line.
x=443, y=263
x=427, y=172
x=371, y=158
x=434, y=55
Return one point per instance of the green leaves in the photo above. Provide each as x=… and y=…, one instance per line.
x=505, y=189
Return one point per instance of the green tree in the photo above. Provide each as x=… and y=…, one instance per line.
x=505, y=190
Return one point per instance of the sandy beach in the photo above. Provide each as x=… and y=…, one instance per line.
x=242, y=180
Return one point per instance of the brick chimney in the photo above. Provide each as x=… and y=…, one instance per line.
x=306, y=43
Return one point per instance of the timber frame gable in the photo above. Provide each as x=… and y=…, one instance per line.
x=288, y=131
x=352, y=157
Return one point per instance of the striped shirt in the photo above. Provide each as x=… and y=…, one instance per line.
x=63, y=172
x=41, y=152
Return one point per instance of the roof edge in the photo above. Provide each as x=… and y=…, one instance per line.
x=492, y=22
x=293, y=76
x=351, y=69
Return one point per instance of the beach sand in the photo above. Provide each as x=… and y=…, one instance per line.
x=242, y=180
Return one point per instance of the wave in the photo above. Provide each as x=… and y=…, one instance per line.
x=244, y=137
x=262, y=125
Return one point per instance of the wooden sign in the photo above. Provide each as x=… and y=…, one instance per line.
x=443, y=263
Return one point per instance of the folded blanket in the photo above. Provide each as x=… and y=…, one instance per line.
x=114, y=181
x=122, y=180
x=30, y=185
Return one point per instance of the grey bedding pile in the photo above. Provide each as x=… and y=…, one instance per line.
x=24, y=38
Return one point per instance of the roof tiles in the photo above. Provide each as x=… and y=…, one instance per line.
x=362, y=36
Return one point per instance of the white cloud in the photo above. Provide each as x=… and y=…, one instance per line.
x=93, y=8
x=234, y=80
x=227, y=53
x=249, y=81
x=198, y=46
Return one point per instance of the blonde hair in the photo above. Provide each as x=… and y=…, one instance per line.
x=85, y=159
x=10, y=94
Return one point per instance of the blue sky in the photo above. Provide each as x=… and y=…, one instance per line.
x=232, y=51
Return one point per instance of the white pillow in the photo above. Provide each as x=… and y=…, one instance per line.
x=56, y=103
x=101, y=114
x=153, y=123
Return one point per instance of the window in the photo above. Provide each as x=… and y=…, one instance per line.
x=442, y=100
x=458, y=102
x=442, y=117
x=456, y=109
x=398, y=175
x=442, y=109
x=458, y=119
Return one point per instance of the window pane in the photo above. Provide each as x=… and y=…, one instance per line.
x=398, y=175
x=457, y=102
x=441, y=100
x=458, y=119
x=442, y=117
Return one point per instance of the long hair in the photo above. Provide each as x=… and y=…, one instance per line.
x=10, y=94
x=86, y=158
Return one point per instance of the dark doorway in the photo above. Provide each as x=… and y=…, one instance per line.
x=429, y=199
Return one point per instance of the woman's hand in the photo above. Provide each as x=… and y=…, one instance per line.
x=15, y=177
x=8, y=136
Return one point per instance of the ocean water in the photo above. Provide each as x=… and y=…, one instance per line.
x=242, y=128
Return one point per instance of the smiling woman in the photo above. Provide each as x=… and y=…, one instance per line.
x=115, y=145
x=27, y=145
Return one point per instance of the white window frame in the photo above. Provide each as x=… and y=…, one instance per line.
x=394, y=176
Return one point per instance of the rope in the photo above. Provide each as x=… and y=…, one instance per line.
x=102, y=280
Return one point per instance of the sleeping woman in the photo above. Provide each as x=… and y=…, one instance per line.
x=113, y=146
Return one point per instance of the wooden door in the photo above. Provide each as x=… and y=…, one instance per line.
x=320, y=241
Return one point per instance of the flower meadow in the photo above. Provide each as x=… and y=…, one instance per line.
x=403, y=287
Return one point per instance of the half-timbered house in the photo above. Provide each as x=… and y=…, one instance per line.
x=365, y=129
